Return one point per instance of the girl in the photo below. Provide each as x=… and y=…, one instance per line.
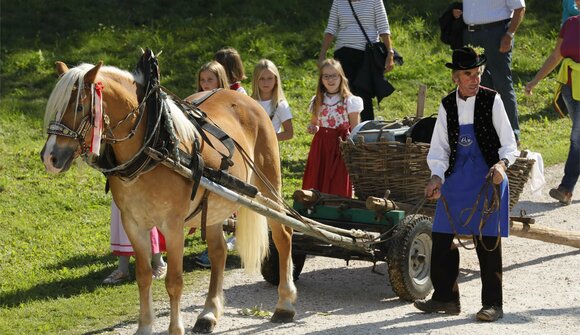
x=335, y=111
x=121, y=246
x=211, y=75
x=230, y=59
x=267, y=90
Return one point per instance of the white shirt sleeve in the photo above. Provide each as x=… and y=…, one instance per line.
x=283, y=112
x=332, y=25
x=438, y=156
x=354, y=104
x=504, y=131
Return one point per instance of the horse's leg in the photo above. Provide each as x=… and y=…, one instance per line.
x=174, y=279
x=282, y=237
x=214, y=303
x=142, y=247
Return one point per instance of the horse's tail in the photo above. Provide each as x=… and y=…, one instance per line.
x=251, y=239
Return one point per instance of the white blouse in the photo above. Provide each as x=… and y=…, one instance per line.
x=278, y=116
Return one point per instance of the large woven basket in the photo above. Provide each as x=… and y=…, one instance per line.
x=402, y=169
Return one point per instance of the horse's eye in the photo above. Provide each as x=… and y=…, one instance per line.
x=79, y=108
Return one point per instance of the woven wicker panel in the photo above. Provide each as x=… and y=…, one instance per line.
x=402, y=168
x=378, y=166
x=518, y=174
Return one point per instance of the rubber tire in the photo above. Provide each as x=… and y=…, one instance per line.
x=409, y=276
x=271, y=271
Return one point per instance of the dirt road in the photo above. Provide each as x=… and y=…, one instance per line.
x=541, y=291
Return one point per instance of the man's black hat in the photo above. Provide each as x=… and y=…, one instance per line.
x=466, y=58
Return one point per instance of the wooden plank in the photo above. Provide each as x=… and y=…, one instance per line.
x=545, y=234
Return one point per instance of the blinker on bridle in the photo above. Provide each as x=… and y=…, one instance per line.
x=87, y=122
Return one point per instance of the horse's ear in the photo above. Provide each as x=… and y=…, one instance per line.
x=91, y=76
x=60, y=68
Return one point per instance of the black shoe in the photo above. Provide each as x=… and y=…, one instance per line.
x=490, y=313
x=433, y=306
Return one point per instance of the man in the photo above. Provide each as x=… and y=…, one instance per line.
x=472, y=142
x=492, y=25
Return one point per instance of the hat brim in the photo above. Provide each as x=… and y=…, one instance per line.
x=481, y=61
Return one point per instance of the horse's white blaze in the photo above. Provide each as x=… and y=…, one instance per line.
x=50, y=143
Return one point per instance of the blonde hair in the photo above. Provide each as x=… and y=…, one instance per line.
x=215, y=68
x=278, y=92
x=321, y=89
x=230, y=59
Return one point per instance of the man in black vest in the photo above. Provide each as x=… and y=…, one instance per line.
x=471, y=148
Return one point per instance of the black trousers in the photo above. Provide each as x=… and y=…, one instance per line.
x=445, y=269
x=351, y=61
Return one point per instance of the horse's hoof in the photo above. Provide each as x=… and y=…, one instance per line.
x=282, y=316
x=204, y=326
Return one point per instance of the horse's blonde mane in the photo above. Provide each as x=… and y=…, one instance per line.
x=61, y=94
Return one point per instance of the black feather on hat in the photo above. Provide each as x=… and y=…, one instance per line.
x=466, y=58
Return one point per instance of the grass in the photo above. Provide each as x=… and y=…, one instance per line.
x=55, y=240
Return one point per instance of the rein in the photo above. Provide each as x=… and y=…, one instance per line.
x=488, y=208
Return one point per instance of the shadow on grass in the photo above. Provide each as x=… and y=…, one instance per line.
x=90, y=282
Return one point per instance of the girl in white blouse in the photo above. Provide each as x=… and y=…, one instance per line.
x=334, y=112
x=267, y=90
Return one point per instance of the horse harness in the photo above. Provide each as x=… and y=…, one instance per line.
x=160, y=137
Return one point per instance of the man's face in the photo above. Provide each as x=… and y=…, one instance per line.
x=468, y=81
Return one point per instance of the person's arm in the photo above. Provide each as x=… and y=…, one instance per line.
x=354, y=106
x=390, y=61
x=438, y=155
x=326, y=42
x=287, y=131
x=313, y=125
x=433, y=188
x=506, y=40
x=353, y=119
x=549, y=65
x=331, y=30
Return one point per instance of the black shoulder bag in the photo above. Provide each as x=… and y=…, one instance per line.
x=377, y=49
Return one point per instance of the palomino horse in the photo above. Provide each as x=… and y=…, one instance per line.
x=159, y=197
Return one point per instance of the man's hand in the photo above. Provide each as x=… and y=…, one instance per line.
x=505, y=44
x=497, y=172
x=433, y=188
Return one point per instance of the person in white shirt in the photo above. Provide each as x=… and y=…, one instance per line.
x=492, y=24
x=471, y=148
x=267, y=90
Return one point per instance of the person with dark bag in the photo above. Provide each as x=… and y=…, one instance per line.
x=452, y=25
x=351, y=43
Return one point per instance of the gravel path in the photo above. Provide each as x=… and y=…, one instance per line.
x=541, y=290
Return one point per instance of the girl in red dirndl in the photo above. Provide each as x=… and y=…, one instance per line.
x=335, y=111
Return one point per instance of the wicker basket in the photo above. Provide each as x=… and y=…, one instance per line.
x=377, y=166
x=402, y=169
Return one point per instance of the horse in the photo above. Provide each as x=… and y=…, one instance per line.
x=96, y=104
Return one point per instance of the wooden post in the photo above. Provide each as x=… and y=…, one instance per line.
x=545, y=234
x=421, y=101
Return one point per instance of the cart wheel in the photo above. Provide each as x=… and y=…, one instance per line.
x=271, y=271
x=409, y=258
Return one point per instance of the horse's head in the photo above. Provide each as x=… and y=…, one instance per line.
x=69, y=116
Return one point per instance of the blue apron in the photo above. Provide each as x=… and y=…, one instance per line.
x=461, y=190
